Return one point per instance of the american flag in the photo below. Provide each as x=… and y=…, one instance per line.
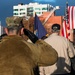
x=69, y=20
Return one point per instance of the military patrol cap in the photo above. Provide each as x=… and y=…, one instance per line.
x=55, y=27
x=13, y=21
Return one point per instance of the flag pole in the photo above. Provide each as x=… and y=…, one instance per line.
x=55, y=8
x=66, y=13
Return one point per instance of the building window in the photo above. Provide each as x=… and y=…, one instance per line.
x=30, y=9
x=38, y=12
x=22, y=13
x=44, y=8
x=15, y=13
x=15, y=9
x=30, y=14
x=22, y=9
x=37, y=8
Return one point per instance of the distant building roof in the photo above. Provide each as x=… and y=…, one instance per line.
x=52, y=19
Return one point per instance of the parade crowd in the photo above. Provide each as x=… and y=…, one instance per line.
x=51, y=55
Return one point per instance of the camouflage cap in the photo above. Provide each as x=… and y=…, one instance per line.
x=13, y=20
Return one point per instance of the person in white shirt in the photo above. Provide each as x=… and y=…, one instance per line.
x=65, y=52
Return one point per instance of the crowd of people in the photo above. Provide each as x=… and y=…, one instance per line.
x=19, y=57
x=51, y=55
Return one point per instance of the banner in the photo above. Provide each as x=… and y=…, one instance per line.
x=39, y=28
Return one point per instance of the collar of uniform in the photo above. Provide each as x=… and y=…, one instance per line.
x=54, y=34
x=12, y=36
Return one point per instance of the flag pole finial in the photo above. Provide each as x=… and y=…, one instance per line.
x=67, y=3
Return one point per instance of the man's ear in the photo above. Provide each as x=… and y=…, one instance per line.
x=22, y=31
x=6, y=31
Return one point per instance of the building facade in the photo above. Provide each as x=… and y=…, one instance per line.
x=1, y=29
x=30, y=9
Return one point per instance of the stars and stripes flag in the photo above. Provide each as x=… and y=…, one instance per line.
x=69, y=20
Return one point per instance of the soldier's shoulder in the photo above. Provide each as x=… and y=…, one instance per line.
x=3, y=39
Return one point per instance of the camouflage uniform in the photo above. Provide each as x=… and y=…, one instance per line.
x=19, y=57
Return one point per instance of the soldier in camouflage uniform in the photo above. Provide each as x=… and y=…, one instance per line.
x=19, y=57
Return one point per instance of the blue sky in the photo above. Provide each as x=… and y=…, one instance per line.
x=6, y=6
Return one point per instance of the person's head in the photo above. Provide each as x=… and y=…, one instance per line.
x=13, y=25
x=55, y=28
x=72, y=35
x=48, y=27
x=12, y=30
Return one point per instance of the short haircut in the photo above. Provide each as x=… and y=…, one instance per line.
x=55, y=27
x=12, y=28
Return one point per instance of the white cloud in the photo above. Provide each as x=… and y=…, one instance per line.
x=46, y=0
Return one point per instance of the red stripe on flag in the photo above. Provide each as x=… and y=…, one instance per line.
x=69, y=23
x=72, y=17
